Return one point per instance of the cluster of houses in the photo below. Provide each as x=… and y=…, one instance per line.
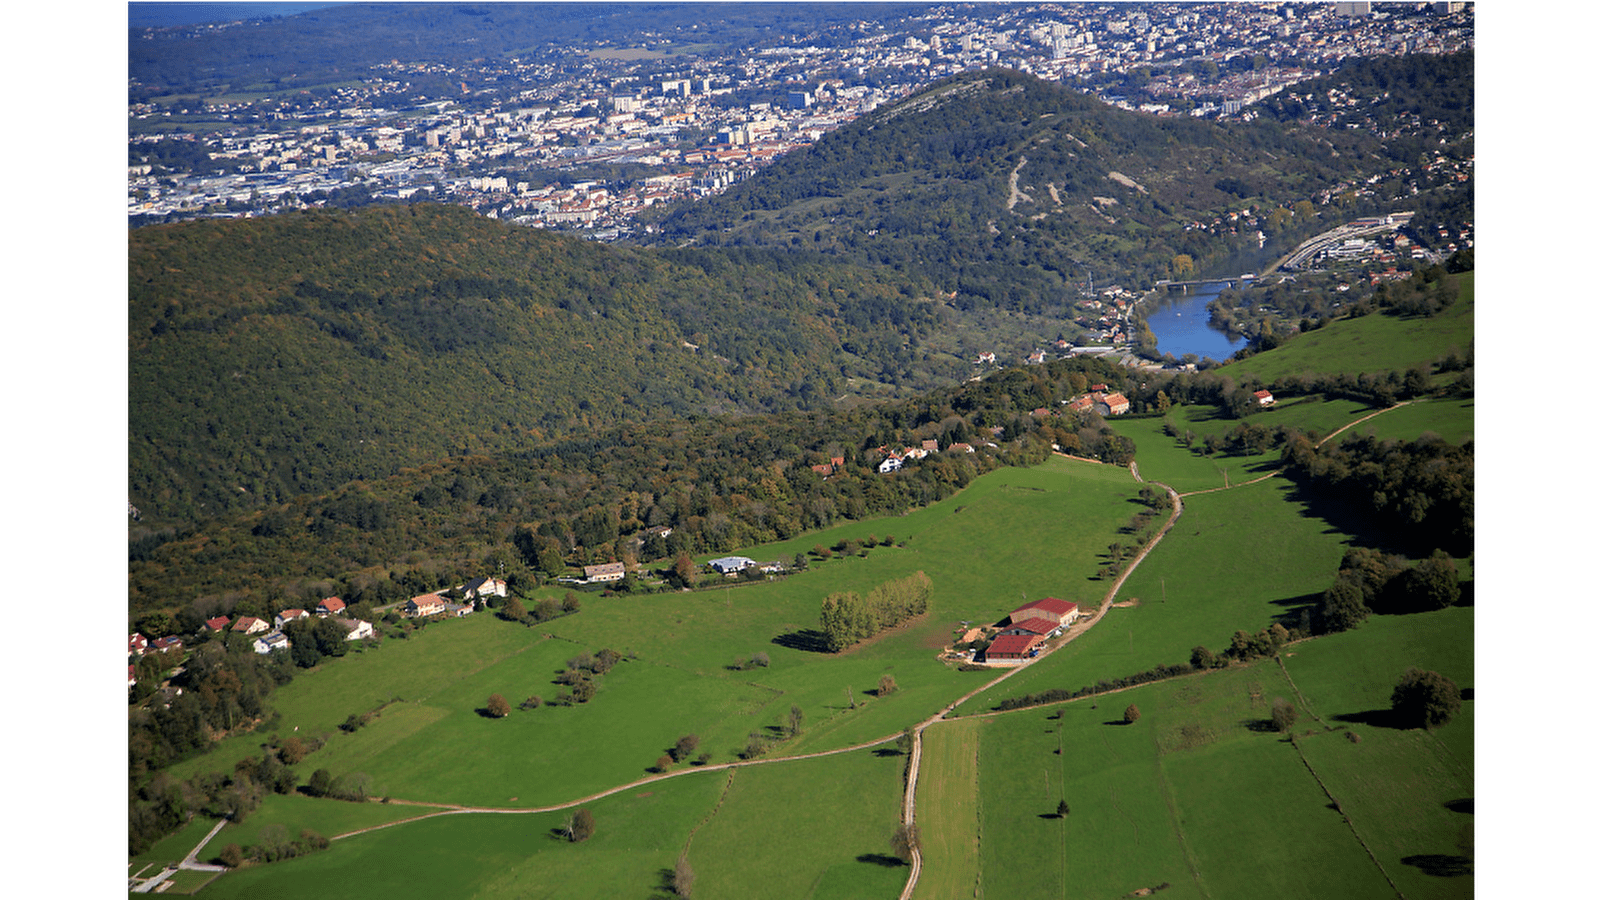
x=269, y=636
x=1024, y=632
x=1101, y=400
x=894, y=459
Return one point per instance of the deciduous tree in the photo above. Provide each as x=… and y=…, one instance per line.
x=497, y=706
x=1425, y=699
x=1130, y=715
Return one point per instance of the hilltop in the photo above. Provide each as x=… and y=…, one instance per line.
x=1014, y=192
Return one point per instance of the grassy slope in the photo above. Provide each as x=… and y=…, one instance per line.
x=1371, y=343
x=1002, y=539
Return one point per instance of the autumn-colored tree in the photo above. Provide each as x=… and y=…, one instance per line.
x=497, y=706
x=1283, y=715
x=1130, y=715
x=905, y=841
x=580, y=827
x=886, y=686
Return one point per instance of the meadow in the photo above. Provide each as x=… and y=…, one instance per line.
x=1200, y=798
x=1172, y=802
x=1372, y=343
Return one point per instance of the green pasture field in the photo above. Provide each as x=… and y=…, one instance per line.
x=1161, y=458
x=814, y=828
x=172, y=848
x=297, y=813
x=638, y=835
x=1235, y=560
x=1015, y=534
x=1197, y=798
x=1370, y=344
x=947, y=810
x=1451, y=419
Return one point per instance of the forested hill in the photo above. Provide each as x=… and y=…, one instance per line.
x=1008, y=189
x=276, y=356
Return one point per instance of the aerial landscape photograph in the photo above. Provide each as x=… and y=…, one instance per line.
x=841, y=450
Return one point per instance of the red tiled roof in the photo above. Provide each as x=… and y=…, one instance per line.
x=1037, y=625
x=1048, y=604
x=1013, y=644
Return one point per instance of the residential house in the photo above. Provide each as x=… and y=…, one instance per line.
x=1036, y=357
x=137, y=644
x=355, y=629
x=220, y=623
x=420, y=606
x=484, y=587
x=287, y=616
x=1112, y=404
x=1062, y=612
x=270, y=642
x=250, y=625
x=986, y=358
x=930, y=446
x=891, y=464
x=612, y=571
x=1265, y=398
x=1081, y=404
x=331, y=606
x=167, y=645
x=962, y=447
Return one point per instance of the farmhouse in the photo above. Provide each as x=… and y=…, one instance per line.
x=612, y=571
x=1265, y=398
x=1014, y=646
x=421, y=606
x=1113, y=404
x=1036, y=625
x=1062, y=612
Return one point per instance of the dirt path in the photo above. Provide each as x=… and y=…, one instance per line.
x=1276, y=472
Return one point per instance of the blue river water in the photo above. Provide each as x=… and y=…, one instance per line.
x=1181, y=324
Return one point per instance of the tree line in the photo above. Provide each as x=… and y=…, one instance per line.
x=849, y=618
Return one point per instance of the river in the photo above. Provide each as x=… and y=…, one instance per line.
x=1182, y=325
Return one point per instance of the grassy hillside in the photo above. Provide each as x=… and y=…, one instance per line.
x=1371, y=343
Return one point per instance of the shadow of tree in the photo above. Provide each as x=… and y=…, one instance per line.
x=1464, y=805
x=809, y=640
x=879, y=859
x=1377, y=718
x=1440, y=865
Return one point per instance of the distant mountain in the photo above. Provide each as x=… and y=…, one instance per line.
x=1012, y=190
x=275, y=356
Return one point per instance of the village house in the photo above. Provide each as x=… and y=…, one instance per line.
x=250, y=625
x=891, y=464
x=330, y=606
x=167, y=644
x=137, y=644
x=420, y=606
x=612, y=571
x=220, y=623
x=355, y=629
x=484, y=587
x=986, y=358
x=1265, y=398
x=287, y=616
x=1113, y=404
x=270, y=642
